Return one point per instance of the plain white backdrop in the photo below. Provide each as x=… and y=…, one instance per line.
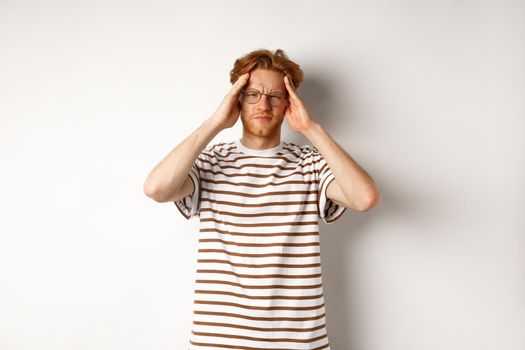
x=427, y=96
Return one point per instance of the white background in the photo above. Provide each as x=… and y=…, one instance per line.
x=427, y=96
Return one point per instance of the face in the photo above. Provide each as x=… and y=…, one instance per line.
x=266, y=81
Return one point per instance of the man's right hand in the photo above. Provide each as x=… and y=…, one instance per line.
x=228, y=112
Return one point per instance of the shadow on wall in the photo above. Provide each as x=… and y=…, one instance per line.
x=319, y=94
x=340, y=240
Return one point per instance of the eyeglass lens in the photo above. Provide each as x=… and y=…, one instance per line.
x=253, y=96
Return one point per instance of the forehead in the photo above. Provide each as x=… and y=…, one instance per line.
x=264, y=79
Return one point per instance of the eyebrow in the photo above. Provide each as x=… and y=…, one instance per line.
x=271, y=92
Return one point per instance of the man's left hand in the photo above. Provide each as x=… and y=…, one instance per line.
x=296, y=114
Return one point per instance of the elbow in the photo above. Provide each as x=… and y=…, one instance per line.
x=148, y=190
x=371, y=201
x=159, y=194
x=151, y=191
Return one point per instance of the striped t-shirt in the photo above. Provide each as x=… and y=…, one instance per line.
x=258, y=280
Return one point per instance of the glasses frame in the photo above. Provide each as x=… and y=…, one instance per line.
x=243, y=90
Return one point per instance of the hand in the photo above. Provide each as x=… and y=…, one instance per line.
x=296, y=114
x=227, y=113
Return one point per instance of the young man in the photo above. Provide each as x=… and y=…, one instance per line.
x=259, y=281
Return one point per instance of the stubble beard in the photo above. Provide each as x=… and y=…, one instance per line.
x=251, y=127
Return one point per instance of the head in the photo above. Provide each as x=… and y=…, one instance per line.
x=267, y=71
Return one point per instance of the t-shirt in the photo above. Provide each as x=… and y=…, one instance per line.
x=258, y=279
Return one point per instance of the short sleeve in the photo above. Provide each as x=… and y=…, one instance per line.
x=329, y=211
x=189, y=206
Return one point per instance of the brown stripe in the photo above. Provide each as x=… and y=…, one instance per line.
x=257, y=234
x=262, y=329
x=269, y=286
x=322, y=183
x=225, y=158
x=323, y=169
x=291, y=150
x=221, y=147
x=338, y=216
x=290, y=255
x=332, y=207
x=223, y=272
x=258, y=204
x=230, y=148
x=248, y=184
x=278, y=244
x=251, y=307
x=239, y=347
x=209, y=171
x=275, y=167
x=249, y=215
x=260, y=297
x=206, y=334
x=255, y=195
x=259, y=224
x=257, y=266
x=256, y=318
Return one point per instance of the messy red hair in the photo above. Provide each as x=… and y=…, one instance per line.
x=277, y=61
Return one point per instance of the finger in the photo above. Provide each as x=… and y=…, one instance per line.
x=237, y=86
x=289, y=86
x=290, y=81
x=241, y=81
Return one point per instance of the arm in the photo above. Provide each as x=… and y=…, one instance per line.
x=169, y=180
x=352, y=187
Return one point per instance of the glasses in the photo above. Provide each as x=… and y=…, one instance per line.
x=253, y=96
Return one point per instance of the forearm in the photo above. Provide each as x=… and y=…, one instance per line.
x=353, y=180
x=169, y=175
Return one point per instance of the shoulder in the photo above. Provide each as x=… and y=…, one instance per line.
x=219, y=149
x=214, y=157
x=304, y=152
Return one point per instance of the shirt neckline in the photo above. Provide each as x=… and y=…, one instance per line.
x=258, y=152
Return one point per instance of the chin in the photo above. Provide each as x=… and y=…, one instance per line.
x=261, y=131
x=253, y=128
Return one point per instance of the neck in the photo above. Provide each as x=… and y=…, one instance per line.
x=260, y=142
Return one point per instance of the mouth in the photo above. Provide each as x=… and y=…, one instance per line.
x=263, y=117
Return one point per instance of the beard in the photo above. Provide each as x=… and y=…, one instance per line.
x=262, y=129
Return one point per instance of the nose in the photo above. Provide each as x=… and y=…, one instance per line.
x=264, y=102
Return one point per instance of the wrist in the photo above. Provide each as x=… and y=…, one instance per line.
x=213, y=124
x=312, y=130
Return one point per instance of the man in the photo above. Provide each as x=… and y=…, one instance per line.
x=259, y=282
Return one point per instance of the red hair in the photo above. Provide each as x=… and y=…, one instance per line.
x=277, y=61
